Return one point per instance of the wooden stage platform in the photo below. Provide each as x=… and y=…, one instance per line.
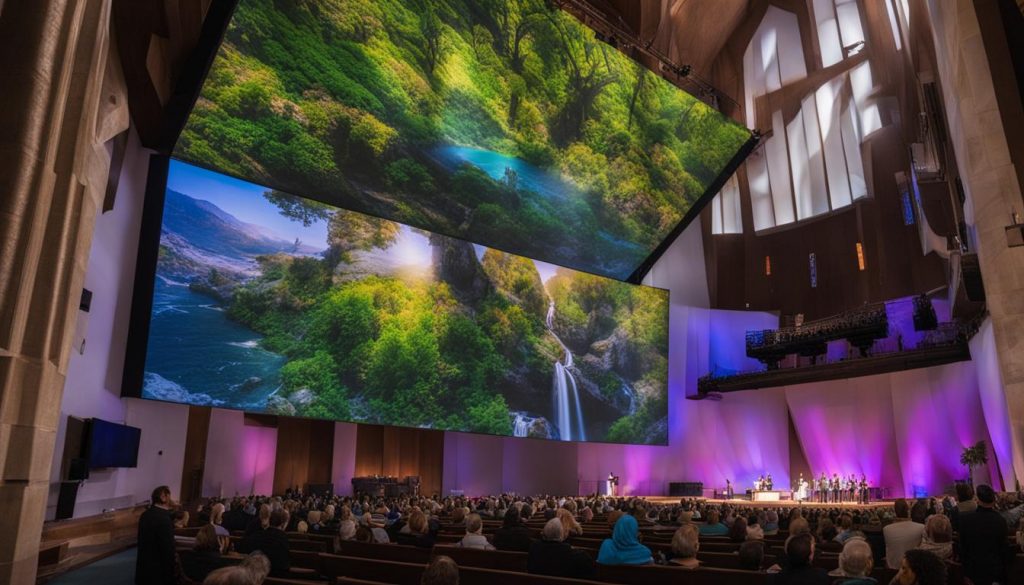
x=776, y=504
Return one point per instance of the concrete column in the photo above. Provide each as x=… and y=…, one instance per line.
x=60, y=104
x=992, y=186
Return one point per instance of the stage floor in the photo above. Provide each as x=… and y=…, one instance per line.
x=776, y=504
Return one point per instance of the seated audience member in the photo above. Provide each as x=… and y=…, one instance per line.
x=474, y=534
x=259, y=522
x=273, y=542
x=938, y=537
x=458, y=517
x=713, y=527
x=624, y=548
x=855, y=563
x=1020, y=534
x=738, y=530
x=217, y=519
x=983, y=549
x=570, y=527
x=236, y=518
x=799, y=526
x=419, y=531
x=442, y=570
x=258, y=566
x=919, y=511
x=551, y=556
x=313, y=519
x=346, y=525
x=512, y=535
x=587, y=514
x=920, y=567
x=771, y=524
x=751, y=555
x=205, y=556
x=845, y=528
x=901, y=535
x=363, y=534
x=799, y=570
x=684, y=547
x=826, y=531
x=612, y=517
x=754, y=530
x=234, y=575
x=376, y=527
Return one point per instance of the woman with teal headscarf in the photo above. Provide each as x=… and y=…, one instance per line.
x=623, y=548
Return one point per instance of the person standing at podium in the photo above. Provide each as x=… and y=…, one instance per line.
x=610, y=488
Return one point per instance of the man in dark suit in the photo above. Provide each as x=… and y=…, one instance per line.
x=272, y=542
x=154, y=563
x=799, y=569
x=983, y=540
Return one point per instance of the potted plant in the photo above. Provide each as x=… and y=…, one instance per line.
x=974, y=456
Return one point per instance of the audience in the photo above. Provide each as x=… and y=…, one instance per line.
x=901, y=535
x=738, y=530
x=713, y=526
x=346, y=525
x=751, y=555
x=442, y=570
x=855, y=563
x=965, y=503
x=205, y=556
x=155, y=559
x=920, y=567
x=512, y=535
x=624, y=548
x=419, y=531
x=754, y=530
x=272, y=542
x=474, y=534
x=798, y=569
x=983, y=548
x=570, y=527
x=938, y=537
x=549, y=555
x=684, y=547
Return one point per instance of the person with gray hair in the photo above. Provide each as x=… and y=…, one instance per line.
x=855, y=563
x=474, y=534
x=551, y=556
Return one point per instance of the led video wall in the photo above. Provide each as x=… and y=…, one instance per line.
x=503, y=122
x=268, y=302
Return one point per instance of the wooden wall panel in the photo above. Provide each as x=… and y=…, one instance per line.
x=195, y=453
x=305, y=451
x=400, y=452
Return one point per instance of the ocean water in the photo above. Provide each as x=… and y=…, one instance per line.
x=196, y=355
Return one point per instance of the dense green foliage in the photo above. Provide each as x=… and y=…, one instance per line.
x=410, y=350
x=347, y=99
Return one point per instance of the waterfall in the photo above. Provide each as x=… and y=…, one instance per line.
x=564, y=391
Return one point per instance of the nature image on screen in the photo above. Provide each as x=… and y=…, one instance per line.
x=273, y=303
x=504, y=122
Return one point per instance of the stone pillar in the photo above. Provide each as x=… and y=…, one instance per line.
x=63, y=99
x=992, y=187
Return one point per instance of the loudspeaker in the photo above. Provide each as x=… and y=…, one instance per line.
x=66, y=499
x=686, y=488
x=78, y=469
x=320, y=488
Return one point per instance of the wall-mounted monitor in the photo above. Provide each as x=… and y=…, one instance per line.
x=109, y=444
x=268, y=302
x=503, y=122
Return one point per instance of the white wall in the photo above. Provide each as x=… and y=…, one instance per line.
x=94, y=377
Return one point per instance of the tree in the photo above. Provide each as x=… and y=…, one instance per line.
x=433, y=35
x=348, y=231
x=974, y=456
x=300, y=209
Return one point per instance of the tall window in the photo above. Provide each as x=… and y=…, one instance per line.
x=725, y=209
x=813, y=261
x=811, y=162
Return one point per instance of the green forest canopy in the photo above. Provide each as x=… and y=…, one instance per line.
x=344, y=99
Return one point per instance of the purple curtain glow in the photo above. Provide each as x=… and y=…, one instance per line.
x=993, y=405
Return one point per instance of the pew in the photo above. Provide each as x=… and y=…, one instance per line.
x=660, y=575
x=488, y=559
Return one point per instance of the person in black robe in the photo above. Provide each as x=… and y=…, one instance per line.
x=155, y=560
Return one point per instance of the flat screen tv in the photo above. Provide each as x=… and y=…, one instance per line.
x=502, y=122
x=268, y=302
x=111, y=445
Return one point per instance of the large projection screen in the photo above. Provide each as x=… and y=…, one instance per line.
x=272, y=303
x=503, y=122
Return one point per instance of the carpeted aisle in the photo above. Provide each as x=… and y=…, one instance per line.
x=116, y=569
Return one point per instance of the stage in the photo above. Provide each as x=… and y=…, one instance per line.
x=775, y=504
